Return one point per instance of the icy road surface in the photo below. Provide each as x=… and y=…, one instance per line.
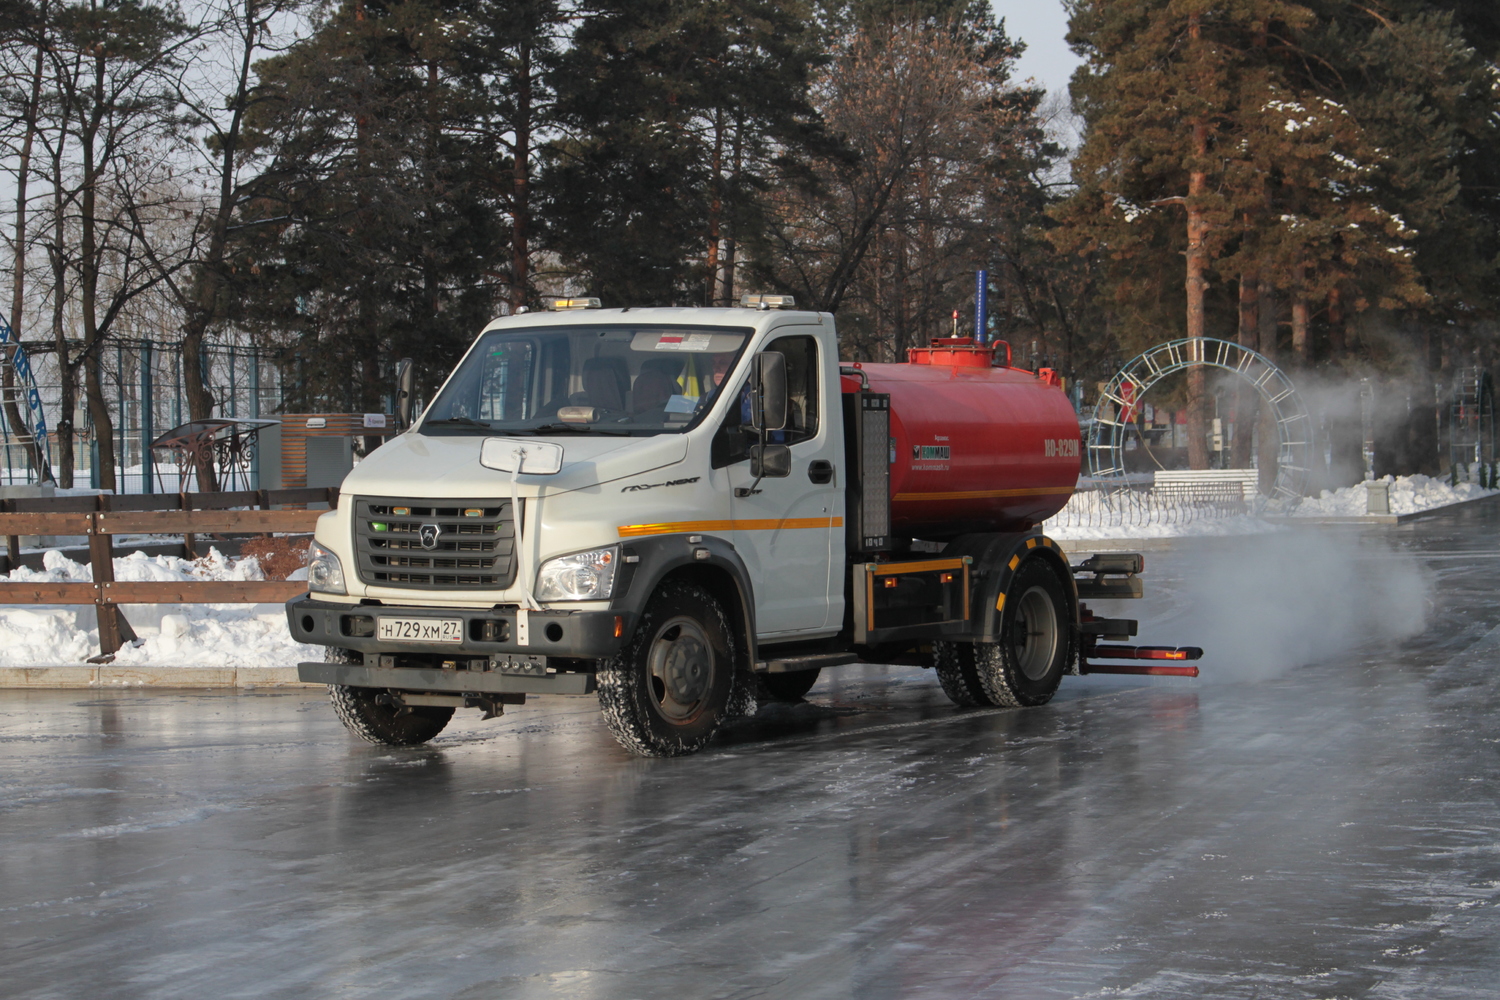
x=1328, y=830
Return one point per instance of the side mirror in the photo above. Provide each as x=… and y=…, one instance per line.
x=405, y=379
x=768, y=395
x=770, y=461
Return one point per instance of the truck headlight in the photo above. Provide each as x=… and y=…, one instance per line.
x=582, y=576
x=325, y=573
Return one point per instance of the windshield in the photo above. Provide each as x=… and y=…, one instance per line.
x=615, y=379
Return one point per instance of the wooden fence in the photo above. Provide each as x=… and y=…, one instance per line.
x=100, y=518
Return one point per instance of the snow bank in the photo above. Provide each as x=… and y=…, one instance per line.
x=137, y=567
x=1409, y=494
x=187, y=635
x=1092, y=514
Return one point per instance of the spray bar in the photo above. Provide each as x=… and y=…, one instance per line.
x=1141, y=653
x=1148, y=652
x=1124, y=668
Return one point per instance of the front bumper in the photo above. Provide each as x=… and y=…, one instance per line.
x=486, y=631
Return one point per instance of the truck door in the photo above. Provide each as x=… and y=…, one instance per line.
x=790, y=528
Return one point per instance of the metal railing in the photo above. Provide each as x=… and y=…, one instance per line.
x=1145, y=505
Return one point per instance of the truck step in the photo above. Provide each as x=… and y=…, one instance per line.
x=792, y=664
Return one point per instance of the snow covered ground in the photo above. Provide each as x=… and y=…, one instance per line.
x=1409, y=495
x=245, y=635
x=172, y=635
x=1096, y=515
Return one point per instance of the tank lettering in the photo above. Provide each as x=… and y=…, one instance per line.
x=929, y=452
x=652, y=486
x=1060, y=447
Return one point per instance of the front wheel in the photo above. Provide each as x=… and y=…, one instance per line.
x=363, y=714
x=665, y=693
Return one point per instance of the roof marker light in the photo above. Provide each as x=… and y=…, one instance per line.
x=563, y=305
x=768, y=302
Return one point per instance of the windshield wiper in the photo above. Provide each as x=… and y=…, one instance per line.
x=458, y=422
x=577, y=429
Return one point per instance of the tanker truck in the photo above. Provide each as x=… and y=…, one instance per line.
x=688, y=510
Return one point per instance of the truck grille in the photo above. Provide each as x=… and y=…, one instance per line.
x=472, y=543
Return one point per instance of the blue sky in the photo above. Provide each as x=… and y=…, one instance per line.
x=1041, y=24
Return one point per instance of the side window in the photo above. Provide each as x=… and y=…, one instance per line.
x=732, y=443
x=801, y=387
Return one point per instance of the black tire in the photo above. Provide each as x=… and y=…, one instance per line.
x=375, y=723
x=666, y=692
x=788, y=687
x=746, y=697
x=1036, y=642
x=958, y=673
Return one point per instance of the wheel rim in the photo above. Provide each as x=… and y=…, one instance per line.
x=682, y=669
x=1034, y=634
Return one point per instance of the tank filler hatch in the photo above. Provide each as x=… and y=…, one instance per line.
x=958, y=352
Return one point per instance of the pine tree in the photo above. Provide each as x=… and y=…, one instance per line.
x=511, y=56
x=1159, y=92
x=1308, y=145
x=671, y=105
x=377, y=226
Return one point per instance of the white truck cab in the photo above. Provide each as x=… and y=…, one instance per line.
x=644, y=414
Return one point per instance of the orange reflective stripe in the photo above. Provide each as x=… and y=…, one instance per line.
x=926, y=565
x=762, y=524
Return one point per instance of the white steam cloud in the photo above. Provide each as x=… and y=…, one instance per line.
x=1262, y=605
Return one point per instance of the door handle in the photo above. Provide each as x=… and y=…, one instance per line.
x=820, y=471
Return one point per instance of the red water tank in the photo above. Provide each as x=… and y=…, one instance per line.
x=974, y=448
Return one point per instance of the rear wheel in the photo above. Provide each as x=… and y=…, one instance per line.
x=956, y=666
x=788, y=687
x=665, y=693
x=1036, y=641
x=365, y=717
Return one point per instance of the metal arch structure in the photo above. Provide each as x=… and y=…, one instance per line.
x=1106, y=445
x=1471, y=419
x=20, y=388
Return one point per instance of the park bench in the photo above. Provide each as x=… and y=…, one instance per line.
x=1227, y=489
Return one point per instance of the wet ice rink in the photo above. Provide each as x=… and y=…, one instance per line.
x=1323, y=830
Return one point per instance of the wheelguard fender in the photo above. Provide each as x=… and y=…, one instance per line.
x=997, y=557
x=659, y=556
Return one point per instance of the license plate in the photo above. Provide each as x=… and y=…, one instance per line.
x=419, y=629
